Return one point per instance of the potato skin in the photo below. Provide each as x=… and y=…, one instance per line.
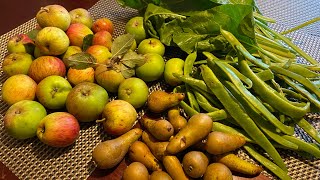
x=136, y=170
x=195, y=163
x=217, y=171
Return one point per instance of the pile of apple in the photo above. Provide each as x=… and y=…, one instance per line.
x=52, y=87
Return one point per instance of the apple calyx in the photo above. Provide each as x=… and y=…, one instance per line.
x=44, y=9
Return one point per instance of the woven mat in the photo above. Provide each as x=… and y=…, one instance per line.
x=31, y=159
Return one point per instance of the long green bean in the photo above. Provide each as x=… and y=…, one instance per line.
x=309, y=129
x=304, y=146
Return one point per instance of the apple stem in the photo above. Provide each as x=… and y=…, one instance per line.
x=100, y=120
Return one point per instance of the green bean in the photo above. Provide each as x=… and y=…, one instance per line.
x=284, y=53
x=263, y=18
x=217, y=126
x=266, y=162
x=265, y=75
x=288, y=42
x=301, y=90
x=192, y=82
x=242, y=77
x=301, y=70
x=188, y=63
x=238, y=46
x=203, y=102
x=192, y=99
x=272, y=43
x=210, y=97
x=301, y=79
x=309, y=129
x=187, y=109
x=301, y=25
x=200, y=62
x=255, y=103
x=270, y=96
x=293, y=94
x=218, y=115
x=237, y=112
x=304, y=146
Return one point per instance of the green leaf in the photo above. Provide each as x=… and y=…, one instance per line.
x=87, y=42
x=81, y=60
x=132, y=59
x=33, y=34
x=126, y=71
x=121, y=45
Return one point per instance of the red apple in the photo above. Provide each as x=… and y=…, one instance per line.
x=100, y=53
x=103, y=38
x=77, y=76
x=103, y=24
x=45, y=66
x=20, y=43
x=58, y=129
x=76, y=32
x=17, y=88
x=17, y=63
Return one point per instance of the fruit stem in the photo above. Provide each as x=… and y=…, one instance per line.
x=100, y=120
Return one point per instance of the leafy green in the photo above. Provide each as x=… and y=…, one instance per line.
x=81, y=60
x=121, y=45
x=127, y=71
x=87, y=42
x=132, y=59
x=33, y=34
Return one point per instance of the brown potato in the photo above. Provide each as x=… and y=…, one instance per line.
x=160, y=175
x=136, y=170
x=195, y=163
x=174, y=168
x=217, y=171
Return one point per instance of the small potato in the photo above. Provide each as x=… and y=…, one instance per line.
x=136, y=170
x=195, y=163
x=217, y=171
x=160, y=175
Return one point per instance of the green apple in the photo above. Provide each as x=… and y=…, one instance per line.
x=20, y=43
x=86, y=101
x=53, y=16
x=109, y=79
x=100, y=53
x=173, y=65
x=80, y=15
x=52, y=92
x=77, y=76
x=52, y=41
x=151, y=45
x=22, y=119
x=45, y=66
x=71, y=51
x=17, y=88
x=135, y=26
x=58, y=129
x=134, y=90
x=16, y=63
x=152, y=69
x=76, y=32
x=103, y=38
x=103, y=24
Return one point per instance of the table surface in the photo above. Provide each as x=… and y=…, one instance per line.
x=17, y=12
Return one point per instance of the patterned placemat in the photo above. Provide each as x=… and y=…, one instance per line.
x=31, y=159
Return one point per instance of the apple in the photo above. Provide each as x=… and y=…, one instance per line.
x=134, y=90
x=86, y=101
x=52, y=41
x=52, y=92
x=71, y=50
x=22, y=119
x=76, y=32
x=152, y=69
x=103, y=38
x=20, y=43
x=173, y=65
x=100, y=53
x=16, y=63
x=80, y=15
x=17, y=88
x=53, y=16
x=45, y=66
x=103, y=24
x=77, y=76
x=58, y=129
x=109, y=79
x=135, y=26
x=151, y=45
x=37, y=53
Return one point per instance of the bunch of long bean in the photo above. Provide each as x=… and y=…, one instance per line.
x=262, y=96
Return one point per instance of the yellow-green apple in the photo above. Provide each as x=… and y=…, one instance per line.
x=37, y=53
x=17, y=88
x=52, y=92
x=52, y=41
x=76, y=32
x=77, y=76
x=173, y=65
x=20, y=43
x=45, y=66
x=103, y=24
x=103, y=38
x=53, y=16
x=71, y=51
x=119, y=116
x=152, y=69
x=86, y=101
x=22, y=119
x=109, y=79
x=151, y=45
x=135, y=26
x=133, y=90
x=58, y=129
x=80, y=15
x=17, y=63
x=100, y=53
